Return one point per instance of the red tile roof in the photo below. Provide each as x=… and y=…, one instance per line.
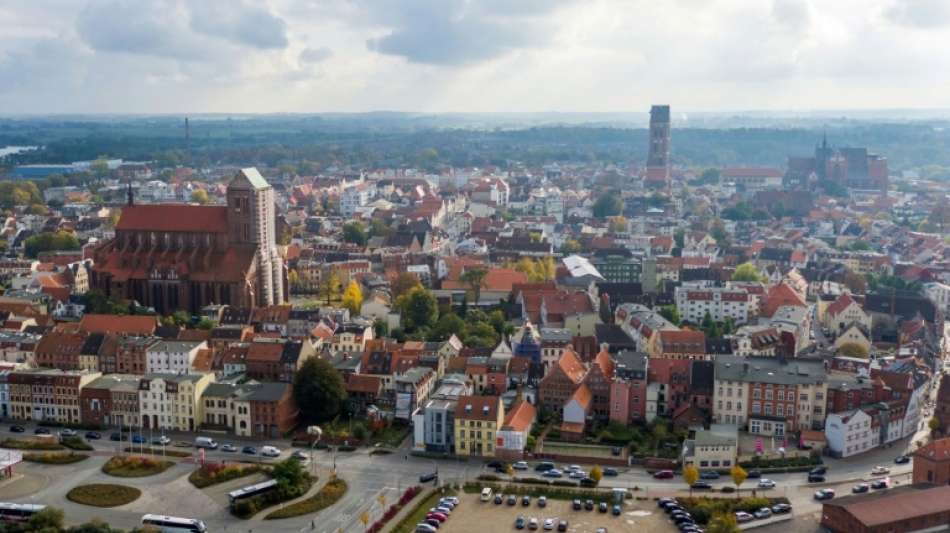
x=683, y=341
x=473, y=408
x=520, y=417
x=265, y=351
x=127, y=324
x=582, y=396
x=363, y=383
x=174, y=217
x=779, y=296
x=571, y=365
x=840, y=304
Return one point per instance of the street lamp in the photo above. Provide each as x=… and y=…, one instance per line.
x=316, y=433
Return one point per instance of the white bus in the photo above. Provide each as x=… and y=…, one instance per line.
x=19, y=512
x=251, y=490
x=173, y=524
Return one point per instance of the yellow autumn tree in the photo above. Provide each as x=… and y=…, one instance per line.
x=353, y=298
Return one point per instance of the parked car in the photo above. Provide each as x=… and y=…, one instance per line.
x=615, y=510
x=93, y=435
x=663, y=474
x=880, y=471
x=533, y=524
x=512, y=500
x=230, y=448
x=766, y=483
x=824, y=494
x=68, y=433
x=499, y=499
x=250, y=450
x=589, y=505
x=701, y=485
x=138, y=439
x=520, y=522
x=542, y=501
x=116, y=436
x=520, y=465
x=526, y=501
x=742, y=517
x=879, y=484
x=754, y=474
x=554, y=472
x=17, y=429
x=422, y=527
x=602, y=507
x=451, y=499
x=860, y=488
x=424, y=478
x=495, y=464
x=763, y=513
x=206, y=442
x=436, y=516
x=577, y=474
x=781, y=508
x=562, y=525
x=610, y=472
x=816, y=478
x=577, y=505
x=162, y=441
x=709, y=474
x=548, y=524
x=544, y=466
x=663, y=502
x=901, y=459
x=819, y=470
x=432, y=522
x=41, y=431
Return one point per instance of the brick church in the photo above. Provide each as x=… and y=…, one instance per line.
x=175, y=256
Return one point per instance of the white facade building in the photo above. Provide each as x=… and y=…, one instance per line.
x=720, y=303
x=172, y=357
x=850, y=433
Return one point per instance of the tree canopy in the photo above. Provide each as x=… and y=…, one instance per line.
x=319, y=391
x=353, y=298
x=46, y=242
x=746, y=272
x=354, y=232
x=608, y=204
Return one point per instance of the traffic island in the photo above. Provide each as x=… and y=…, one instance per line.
x=328, y=495
x=31, y=444
x=212, y=474
x=103, y=495
x=135, y=466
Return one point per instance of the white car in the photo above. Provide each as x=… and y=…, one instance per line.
x=68, y=433
x=743, y=517
x=549, y=524
x=270, y=451
x=766, y=483
x=520, y=465
x=880, y=471
x=577, y=474
x=301, y=457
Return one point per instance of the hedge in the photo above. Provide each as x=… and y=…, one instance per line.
x=22, y=444
x=135, y=466
x=76, y=443
x=394, y=509
x=214, y=473
x=156, y=451
x=703, y=508
x=554, y=493
x=325, y=497
x=103, y=495
x=780, y=462
x=55, y=458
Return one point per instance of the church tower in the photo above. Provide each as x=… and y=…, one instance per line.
x=659, y=153
x=252, y=221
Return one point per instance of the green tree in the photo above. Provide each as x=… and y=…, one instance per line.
x=200, y=196
x=723, y=523
x=690, y=476
x=474, y=278
x=319, y=391
x=671, y=313
x=608, y=204
x=49, y=519
x=353, y=298
x=747, y=272
x=419, y=309
x=710, y=327
x=353, y=232
x=44, y=242
x=447, y=325
x=739, y=475
x=717, y=230
x=206, y=324
x=710, y=176
x=403, y=284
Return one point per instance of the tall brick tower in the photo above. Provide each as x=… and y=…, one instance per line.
x=252, y=220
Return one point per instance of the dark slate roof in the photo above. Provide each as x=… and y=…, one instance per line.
x=905, y=305
x=92, y=344
x=235, y=315
x=613, y=335
x=267, y=392
x=291, y=352
x=718, y=346
x=631, y=361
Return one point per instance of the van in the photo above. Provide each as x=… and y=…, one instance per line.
x=486, y=494
x=269, y=451
x=205, y=442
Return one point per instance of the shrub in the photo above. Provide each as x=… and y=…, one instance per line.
x=103, y=495
x=214, y=473
x=135, y=466
x=325, y=497
x=25, y=444
x=704, y=508
x=76, y=443
x=55, y=458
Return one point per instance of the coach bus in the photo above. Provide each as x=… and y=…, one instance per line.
x=19, y=512
x=174, y=524
x=252, y=490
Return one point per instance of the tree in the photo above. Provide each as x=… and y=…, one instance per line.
x=855, y=282
x=608, y=204
x=354, y=232
x=618, y=224
x=690, y=476
x=747, y=272
x=403, y=284
x=852, y=349
x=710, y=176
x=596, y=474
x=319, y=391
x=671, y=313
x=330, y=285
x=718, y=231
x=474, y=278
x=206, y=324
x=200, y=196
x=49, y=519
x=114, y=215
x=37, y=209
x=353, y=298
x=739, y=475
x=723, y=523
x=100, y=167
x=419, y=308
x=710, y=327
x=570, y=246
x=45, y=242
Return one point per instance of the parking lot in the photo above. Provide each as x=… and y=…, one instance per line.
x=473, y=515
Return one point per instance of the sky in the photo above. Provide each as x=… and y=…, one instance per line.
x=265, y=56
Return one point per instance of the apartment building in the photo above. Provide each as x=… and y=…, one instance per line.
x=48, y=394
x=721, y=303
x=172, y=401
x=477, y=421
x=111, y=400
x=172, y=357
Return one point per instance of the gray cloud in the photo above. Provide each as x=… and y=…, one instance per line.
x=925, y=14
x=315, y=55
x=241, y=23
x=147, y=28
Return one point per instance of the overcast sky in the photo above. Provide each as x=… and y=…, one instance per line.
x=168, y=56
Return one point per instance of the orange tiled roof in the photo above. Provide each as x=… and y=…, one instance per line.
x=521, y=416
x=582, y=396
x=128, y=324
x=571, y=365
x=174, y=217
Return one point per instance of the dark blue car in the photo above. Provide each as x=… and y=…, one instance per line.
x=138, y=439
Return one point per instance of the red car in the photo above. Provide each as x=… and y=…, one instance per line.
x=437, y=516
x=663, y=474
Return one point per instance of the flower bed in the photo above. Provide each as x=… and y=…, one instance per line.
x=157, y=451
x=24, y=444
x=103, y=495
x=325, y=497
x=76, y=443
x=55, y=458
x=214, y=473
x=135, y=466
x=394, y=509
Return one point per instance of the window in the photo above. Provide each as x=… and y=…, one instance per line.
x=768, y=409
x=756, y=408
x=754, y=426
x=768, y=394
x=756, y=394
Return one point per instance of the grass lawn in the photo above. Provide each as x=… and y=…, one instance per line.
x=103, y=495
x=135, y=466
x=577, y=450
x=419, y=512
x=55, y=458
x=212, y=475
x=325, y=497
x=76, y=443
x=157, y=451
x=29, y=444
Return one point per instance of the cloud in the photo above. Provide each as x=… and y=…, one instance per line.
x=315, y=55
x=927, y=14
x=239, y=22
x=146, y=28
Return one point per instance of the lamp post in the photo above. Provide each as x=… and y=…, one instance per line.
x=316, y=432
